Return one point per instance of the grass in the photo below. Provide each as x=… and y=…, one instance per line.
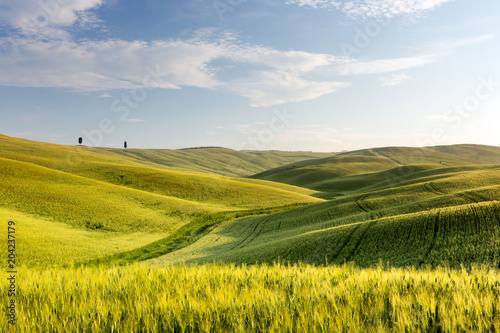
x=85, y=217
x=220, y=161
x=106, y=196
x=182, y=237
x=439, y=218
x=360, y=171
x=44, y=243
x=258, y=298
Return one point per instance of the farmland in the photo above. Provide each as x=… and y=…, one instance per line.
x=263, y=298
x=446, y=216
x=210, y=239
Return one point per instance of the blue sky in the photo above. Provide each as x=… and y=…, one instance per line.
x=320, y=75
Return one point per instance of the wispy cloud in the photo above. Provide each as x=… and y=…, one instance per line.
x=277, y=76
x=448, y=46
x=267, y=88
x=383, y=65
x=373, y=8
x=266, y=76
x=47, y=18
x=393, y=80
x=132, y=120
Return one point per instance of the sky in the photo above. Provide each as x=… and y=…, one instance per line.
x=295, y=75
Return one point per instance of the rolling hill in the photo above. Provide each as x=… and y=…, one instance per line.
x=220, y=161
x=356, y=171
x=407, y=206
x=86, y=194
x=430, y=216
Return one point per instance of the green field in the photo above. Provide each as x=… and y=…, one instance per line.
x=439, y=218
x=100, y=223
x=85, y=194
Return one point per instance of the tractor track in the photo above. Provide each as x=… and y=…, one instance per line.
x=346, y=241
x=360, y=240
x=473, y=196
x=259, y=226
x=431, y=187
x=364, y=207
x=384, y=155
x=434, y=237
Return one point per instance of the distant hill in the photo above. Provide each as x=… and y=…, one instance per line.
x=349, y=172
x=221, y=161
x=217, y=160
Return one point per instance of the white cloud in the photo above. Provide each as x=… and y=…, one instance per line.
x=383, y=66
x=392, y=80
x=316, y=3
x=133, y=120
x=46, y=18
x=373, y=8
x=106, y=65
x=297, y=61
x=266, y=88
x=448, y=46
x=271, y=77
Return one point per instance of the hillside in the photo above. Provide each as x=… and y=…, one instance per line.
x=217, y=160
x=75, y=204
x=356, y=171
x=220, y=161
x=79, y=196
x=448, y=216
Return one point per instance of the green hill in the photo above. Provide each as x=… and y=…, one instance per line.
x=433, y=216
x=219, y=161
x=408, y=206
x=84, y=194
x=347, y=173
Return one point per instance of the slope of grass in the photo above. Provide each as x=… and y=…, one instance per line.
x=189, y=216
x=356, y=171
x=99, y=206
x=114, y=197
x=91, y=204
x=219, y=161
x=112, y=167
x=42, y=242
x=440, y=218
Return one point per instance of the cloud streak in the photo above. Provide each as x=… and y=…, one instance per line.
x=393, y=80
x=373, y=8
x=383, y=65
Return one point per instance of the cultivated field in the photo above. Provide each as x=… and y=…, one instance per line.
x=277, y=298
x=380, y=240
